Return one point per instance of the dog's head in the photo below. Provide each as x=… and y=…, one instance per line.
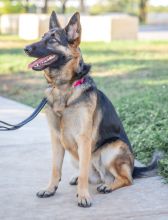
x=58, y=47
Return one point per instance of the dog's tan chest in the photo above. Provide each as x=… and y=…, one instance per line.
x=63, y=122
x=56, y=101
x=73, y=116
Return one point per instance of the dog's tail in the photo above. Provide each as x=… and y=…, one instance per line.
x=151, y=169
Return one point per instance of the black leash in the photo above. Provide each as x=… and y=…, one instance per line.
x=4, y=126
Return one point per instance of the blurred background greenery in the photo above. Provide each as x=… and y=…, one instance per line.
x=139, y=8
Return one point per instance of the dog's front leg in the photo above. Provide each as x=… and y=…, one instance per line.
x=57, y=160
x=84, y=152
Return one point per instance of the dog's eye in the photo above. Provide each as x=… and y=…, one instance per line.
x=53, y=40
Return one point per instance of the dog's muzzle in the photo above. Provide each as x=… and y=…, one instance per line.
x=28, y=50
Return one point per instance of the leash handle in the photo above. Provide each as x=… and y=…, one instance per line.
x=4, y=126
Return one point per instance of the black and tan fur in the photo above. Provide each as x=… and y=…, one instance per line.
x=82, y=120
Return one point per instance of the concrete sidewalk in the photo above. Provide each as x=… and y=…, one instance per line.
x=25, y=168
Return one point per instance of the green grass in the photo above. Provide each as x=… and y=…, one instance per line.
x=134, y=75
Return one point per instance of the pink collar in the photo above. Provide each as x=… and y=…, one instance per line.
x=78, y=82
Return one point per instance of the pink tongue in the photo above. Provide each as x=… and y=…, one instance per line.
x=38, y=61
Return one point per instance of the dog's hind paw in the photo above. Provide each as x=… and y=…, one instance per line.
x=104, y=189
x=46, y=193
x=74, y=181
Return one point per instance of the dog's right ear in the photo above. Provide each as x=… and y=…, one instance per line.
x=54, y=23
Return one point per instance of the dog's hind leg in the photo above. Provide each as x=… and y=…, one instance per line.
x=119, y=164
x=57, y=160
x=122, y=178
x=94, y=178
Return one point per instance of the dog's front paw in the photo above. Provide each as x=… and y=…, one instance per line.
x=104, y=188
x=46, y=193
x=84, y=201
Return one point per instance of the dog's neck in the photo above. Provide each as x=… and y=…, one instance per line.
x=62, y=95
x=64, y=79
x=62, y=85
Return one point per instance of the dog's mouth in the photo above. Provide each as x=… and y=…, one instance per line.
x=42, y=63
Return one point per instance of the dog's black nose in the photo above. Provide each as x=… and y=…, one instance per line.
x=28, y=49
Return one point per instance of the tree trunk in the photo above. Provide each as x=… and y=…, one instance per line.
x=82, y=6
x=45, y=8
x=63, y=8
x=27, y=6
x=143, y=10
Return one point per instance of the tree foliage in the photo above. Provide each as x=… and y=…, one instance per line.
x=11, y=7
x=133, y=7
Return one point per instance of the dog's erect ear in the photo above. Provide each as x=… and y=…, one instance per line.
x=73, y=29
x=54, y=23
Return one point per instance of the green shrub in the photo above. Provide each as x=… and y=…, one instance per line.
x=145, y=118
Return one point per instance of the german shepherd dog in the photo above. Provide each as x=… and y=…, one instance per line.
x=81, y=118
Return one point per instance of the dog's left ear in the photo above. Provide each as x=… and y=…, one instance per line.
x=73, y=29
x=54, y=23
